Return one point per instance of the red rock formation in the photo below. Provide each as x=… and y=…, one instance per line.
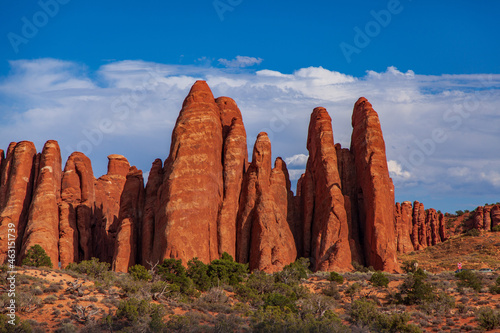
x=305, y=187
x=478, y=218
x=347, y=173
x=487, y=218
x=155, y=180
x=130, y=216
x=234, y=157
x=414, y=232
x=75, y=210
x=495, y=216
x=192, y=191
x=432, y=220
x=108, y=192
x=442, y=228
x=264, y=235
x=404, y=227
x=17, y=184
x=375, y=186
x=330, y=249
x=422, y=227
x=43, y=219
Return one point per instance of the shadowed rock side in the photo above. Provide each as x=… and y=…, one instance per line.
x=264, y=236
x=76, y=210
x=347, y=173
x=127, y=236
x=485, y=218
x=234, y=157
x=375, y=187
x=108, y=192
x=404, y=227
x=191, y=193
x=17, y=184
x=495, y=216
x=329, y=242
x=155, y=180
x=43, y=219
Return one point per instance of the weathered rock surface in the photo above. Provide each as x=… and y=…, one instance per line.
x=43, y=219
x=155, y=180
x=375, y=187
x=192, y=190
x=432, y=221
x=108, y=193
x=129, y=222
x=495, y=216
x=234, y=157
x=76, y=210
x=404, y=226
x=330, y=248
x=264, y=236
x=17, y=185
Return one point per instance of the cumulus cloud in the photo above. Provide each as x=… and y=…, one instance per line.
x=241, y=61
x=437, y=129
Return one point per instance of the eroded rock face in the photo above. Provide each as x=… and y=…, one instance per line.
x=192, y=190
x=108, y=193
x=495, y=216
x=43, y=219
x=76, y=210
x=479, y=218
x=487, y=218
x=17, y=185
x=375, y=187
x=264, y=235
x=330, y=248
x=432, y=220
x=347, y=173
x=129, y=222
x=155, y=180
x=234, y=156
x=404, y=226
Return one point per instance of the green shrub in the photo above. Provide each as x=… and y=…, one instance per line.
x=469, y=279
x=473, y=233
x=336, y=277
x=353, y=290
x=171, y=270
x=198, y=272
x=280, y=300
x=379, y=279
x=496, y=228
x=18, y=327
x=139, y=273
x=37, y=257
x=294, y=272
x=409, y=266
x=488, y=318
x=495, y=289
x=93, y=268
x=415, y=290
x=226, y=270
x=132, y=309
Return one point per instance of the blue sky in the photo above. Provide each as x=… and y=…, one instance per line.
x=67, y=65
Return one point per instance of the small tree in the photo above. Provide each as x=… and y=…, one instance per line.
x=139, y=272
x=469, y=279
x=410, y=266
x=379, y=279
x=37, y=257
x=336, y=277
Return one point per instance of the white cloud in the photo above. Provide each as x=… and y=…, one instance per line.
x=297, y=160
x=295, y=174
x=130, y=108
x=241, y=61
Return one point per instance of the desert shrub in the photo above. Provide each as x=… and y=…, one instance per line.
x=281, y=301
x=441, y=304
x=139, y=273
x=93, y=268
x=336, y=277
x=214, y=300
x=332, y=290
x=37, y=257
x=53, y=288
x=488, y=318
x=415, y=290
x=379, y=279
x=50, y=299
x=496, y=228
x=469, y=279
x=360, y=268
x=198, y=272
x=353, y=290
x=473, y=233
x=19, y=326
x=409, y=266
x=495, y=288
x=132, y=309
x=294, y=272
x=172, y=271
x=226, y=270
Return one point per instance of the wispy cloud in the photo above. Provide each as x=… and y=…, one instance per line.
x=437, y=129
x=241, y=61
